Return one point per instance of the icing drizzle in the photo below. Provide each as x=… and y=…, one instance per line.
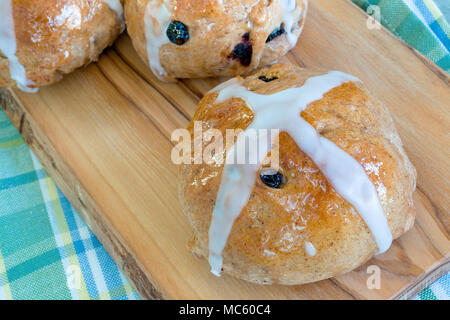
x=310, y=249
x=8, y=46
x=156, y=34
x=287, y=7
x=345, y=174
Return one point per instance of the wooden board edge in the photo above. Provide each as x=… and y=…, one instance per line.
x=80, y=200
x=425, y=280
x=438, y=71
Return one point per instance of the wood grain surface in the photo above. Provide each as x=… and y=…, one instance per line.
x=103, y=134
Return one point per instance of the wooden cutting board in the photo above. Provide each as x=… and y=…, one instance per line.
x=103, y=134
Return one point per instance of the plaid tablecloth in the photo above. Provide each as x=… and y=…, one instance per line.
x=419, y=23
x=48, y=252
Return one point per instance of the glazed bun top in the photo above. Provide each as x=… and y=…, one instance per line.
x=341, y=191
x=41, y=40
x=191, y=39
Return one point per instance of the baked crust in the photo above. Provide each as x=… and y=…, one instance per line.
x=214, y=33
x=267, y=242
x=54, y=37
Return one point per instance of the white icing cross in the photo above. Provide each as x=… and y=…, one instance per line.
x=156, y=34
x=287, y=7
x=281, y=111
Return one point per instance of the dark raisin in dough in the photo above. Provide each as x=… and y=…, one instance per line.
x=178, y=33
x=243, y=51
x=276, y=33
x=272, y=180
x=265, y=79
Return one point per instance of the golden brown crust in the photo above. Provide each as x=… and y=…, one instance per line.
x=214, y=33
x=54, y=37
x=267, y=241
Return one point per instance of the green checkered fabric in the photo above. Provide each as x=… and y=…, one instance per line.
x=419, y=23
x=46, y=250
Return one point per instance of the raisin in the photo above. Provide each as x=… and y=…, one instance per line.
x=178, y=33
x=276, y=33
x=243, y=51
x=265, y=79
x=272, y=179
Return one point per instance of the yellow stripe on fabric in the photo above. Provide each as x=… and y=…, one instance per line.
x=65, y=235
x=61, y=222
x=438, y=16
x=61, y=231
x=114, y=293
x=118, y=292
x=433, y=9
x=128, y=289
x=12, y=143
